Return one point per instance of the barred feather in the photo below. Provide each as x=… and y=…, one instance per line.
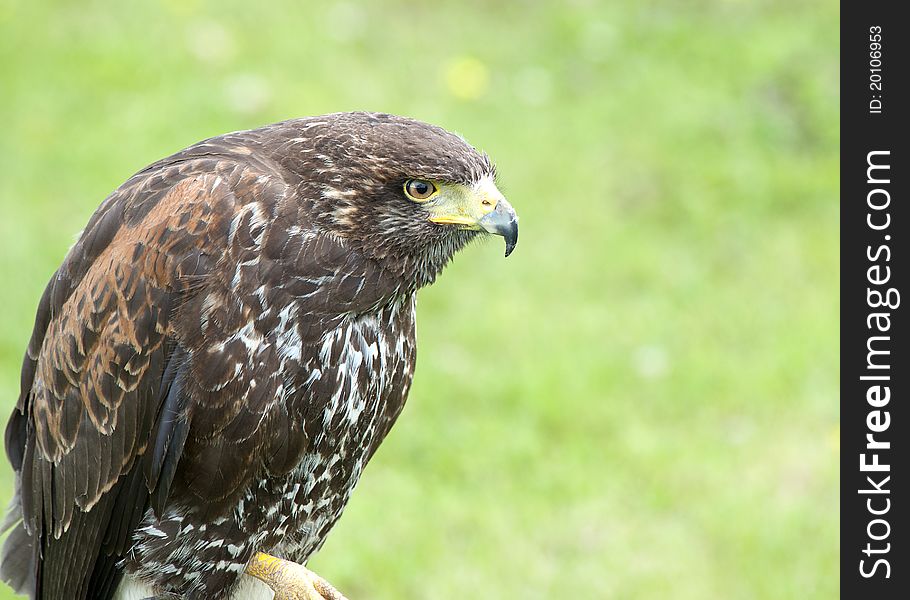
x=221, y=353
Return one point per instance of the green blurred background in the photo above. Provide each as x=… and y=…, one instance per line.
x=642, y=401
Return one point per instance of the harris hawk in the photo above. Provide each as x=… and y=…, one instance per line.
x=223, y=350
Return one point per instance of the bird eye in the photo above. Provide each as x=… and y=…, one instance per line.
x=419, y=189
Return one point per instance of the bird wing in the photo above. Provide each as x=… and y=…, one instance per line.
x=99, y=426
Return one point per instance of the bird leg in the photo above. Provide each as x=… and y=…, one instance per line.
x=289, y=580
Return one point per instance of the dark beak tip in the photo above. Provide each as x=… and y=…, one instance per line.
x=511, y=240
x=502, y=221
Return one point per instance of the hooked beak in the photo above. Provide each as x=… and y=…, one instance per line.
x=502, y=221
x=481, y=207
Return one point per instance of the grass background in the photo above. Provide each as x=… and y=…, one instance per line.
x=642, y=401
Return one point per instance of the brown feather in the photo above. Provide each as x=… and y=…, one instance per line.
x=213, y=337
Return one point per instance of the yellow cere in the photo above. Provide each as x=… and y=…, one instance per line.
x=460, y=205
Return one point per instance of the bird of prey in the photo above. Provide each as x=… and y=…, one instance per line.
x=223, y=350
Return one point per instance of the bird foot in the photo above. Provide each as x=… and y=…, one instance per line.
x=289, y=580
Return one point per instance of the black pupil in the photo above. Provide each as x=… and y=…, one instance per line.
x=420, y=188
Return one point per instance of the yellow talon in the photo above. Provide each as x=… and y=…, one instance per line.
x=289, y=580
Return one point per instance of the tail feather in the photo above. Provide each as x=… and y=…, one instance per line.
x=19, y=558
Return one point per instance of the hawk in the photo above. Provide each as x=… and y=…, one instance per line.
x=223, y=350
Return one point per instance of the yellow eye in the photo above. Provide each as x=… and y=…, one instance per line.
x=419, y=189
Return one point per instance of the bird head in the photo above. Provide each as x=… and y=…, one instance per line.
x=402, y=192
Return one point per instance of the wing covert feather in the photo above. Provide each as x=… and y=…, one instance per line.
x=104, y=335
